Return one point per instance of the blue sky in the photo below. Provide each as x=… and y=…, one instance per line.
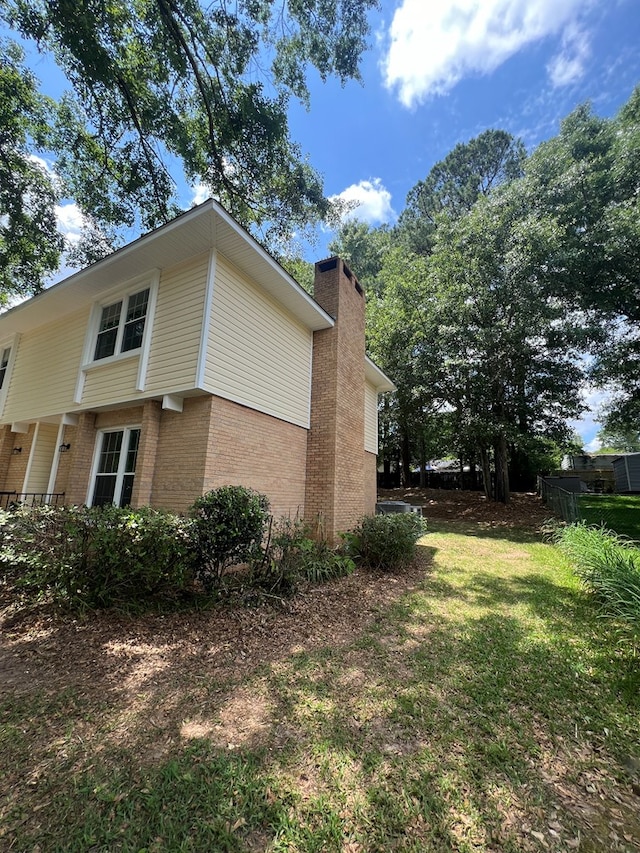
x=439, y=72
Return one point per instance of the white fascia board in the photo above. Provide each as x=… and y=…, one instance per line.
x=376, y=377
x=201, y=229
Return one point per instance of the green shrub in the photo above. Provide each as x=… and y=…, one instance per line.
x=386, y=542
x=290, y=556
x=608, y=566
x=228, y=528
x=97, y=556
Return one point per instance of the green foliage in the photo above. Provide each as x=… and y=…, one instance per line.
x=386, y=542
x=619, y=437
x=609, y=567
x=202, y=88
x=30, y=245
x=290, y=556
x=470, y=171
x=228, y=527
x=98, y=556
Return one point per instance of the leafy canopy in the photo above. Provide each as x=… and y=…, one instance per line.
x=164, y=87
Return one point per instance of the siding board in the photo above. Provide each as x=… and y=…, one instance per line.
x=42, y=458
x=173, y=358
x=370, y=418
x=46, y=368
x=258, y=354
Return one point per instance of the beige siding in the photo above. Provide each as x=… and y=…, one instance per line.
x=111, y=383
x=370, y=418
x=41, y=460
x=46, y=368
x=258, y=354
x=173, y=358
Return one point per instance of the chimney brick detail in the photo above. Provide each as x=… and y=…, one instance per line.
x=337, y=492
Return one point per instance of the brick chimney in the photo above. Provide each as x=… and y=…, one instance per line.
x=336, y=489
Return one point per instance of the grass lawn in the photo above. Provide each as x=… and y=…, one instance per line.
x=479, y=705
x=617, y=512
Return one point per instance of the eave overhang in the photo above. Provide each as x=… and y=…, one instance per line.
x=204, y=228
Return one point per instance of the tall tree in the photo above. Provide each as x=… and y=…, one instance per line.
x=509, y=352
x=587, y=181
x=470, y=171
x=159, y=86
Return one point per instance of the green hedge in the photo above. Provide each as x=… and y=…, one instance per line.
x=96, y=556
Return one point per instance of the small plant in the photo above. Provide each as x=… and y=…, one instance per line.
x=228, y=528
x=290, y=556
x=608, y=566
x=386, y=542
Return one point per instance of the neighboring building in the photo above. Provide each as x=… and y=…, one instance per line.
x=593, y=469
x=187, y=360
x=589, y=462
x=626, y=469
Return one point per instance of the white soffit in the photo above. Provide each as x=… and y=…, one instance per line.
x=205, y=227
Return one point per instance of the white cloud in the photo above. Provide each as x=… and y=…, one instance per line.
x=368, y=201
x=569, y=65
x=433, y=45
x=200, y=192
x=70, y=221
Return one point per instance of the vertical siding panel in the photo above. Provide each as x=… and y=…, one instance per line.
x=370, y=418
x=46, y=368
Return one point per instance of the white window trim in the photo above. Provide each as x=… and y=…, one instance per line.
x=13, y=345
x=126, y=428
x=88, y=363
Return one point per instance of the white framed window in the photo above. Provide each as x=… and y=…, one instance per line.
x=8, y=349
x=121, y=326
x=114, y=466
x=4, y=364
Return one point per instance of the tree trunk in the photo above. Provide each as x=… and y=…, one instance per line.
x=406, y=459
x=486, y=472
x=423, y=464
x=501, y=457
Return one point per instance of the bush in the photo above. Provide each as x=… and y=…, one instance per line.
x=96, y=556
x=608, y=566
x=386, y=542
x=228, y=528
x=290, y=556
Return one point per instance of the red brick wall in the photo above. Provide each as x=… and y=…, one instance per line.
x=336, y=487
x=181, y=455
x=252, y=449
x=147, y=454
x=80, y=459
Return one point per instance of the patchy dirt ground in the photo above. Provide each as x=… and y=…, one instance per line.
x=524, y=510
x=40, y=649
x=142, y=682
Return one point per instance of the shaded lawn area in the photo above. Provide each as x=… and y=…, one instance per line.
x=476, y=703
x=616, y=512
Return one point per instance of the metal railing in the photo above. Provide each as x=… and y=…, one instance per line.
x=9, y=500
x=561, y=502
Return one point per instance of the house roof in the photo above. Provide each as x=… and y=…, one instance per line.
x=376, y=377
x=207, y=226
